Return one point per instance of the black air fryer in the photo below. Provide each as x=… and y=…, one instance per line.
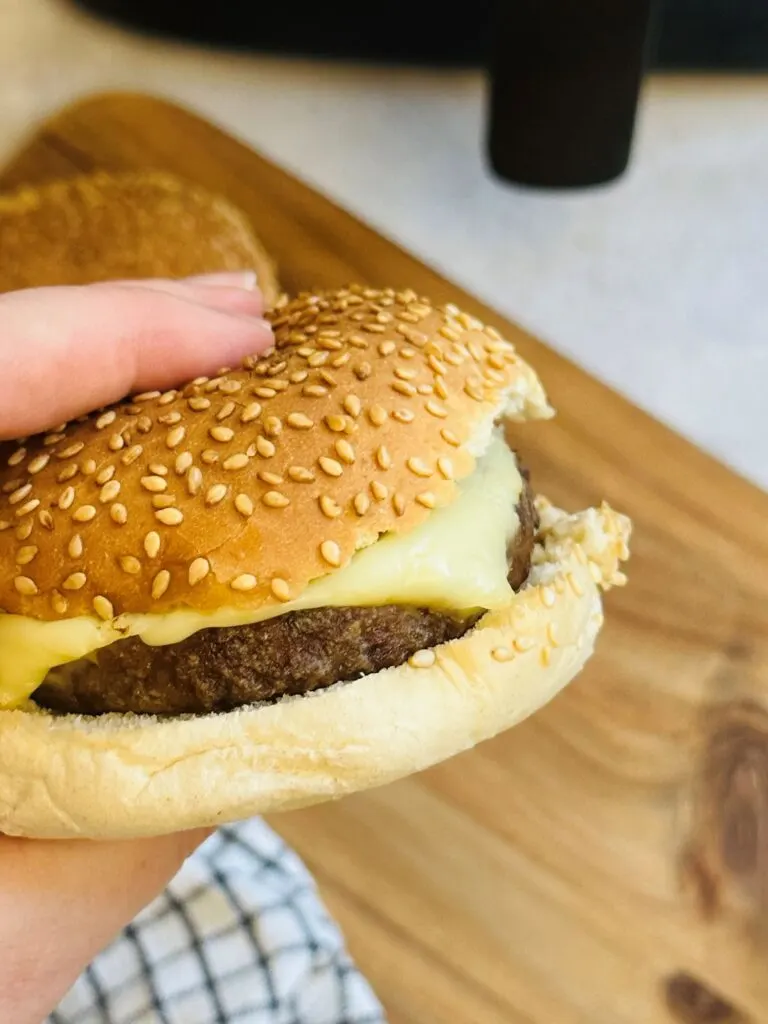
x=564, y=74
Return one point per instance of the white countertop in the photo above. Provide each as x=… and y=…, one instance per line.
x=658, y=285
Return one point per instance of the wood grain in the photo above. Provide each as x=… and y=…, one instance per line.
x=607, y=861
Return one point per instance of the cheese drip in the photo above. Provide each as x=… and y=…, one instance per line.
x=455, y=561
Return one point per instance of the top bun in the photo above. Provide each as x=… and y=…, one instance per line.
x=104, y=226
x=239, y=490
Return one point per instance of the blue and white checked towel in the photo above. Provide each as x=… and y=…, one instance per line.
x=240, y=935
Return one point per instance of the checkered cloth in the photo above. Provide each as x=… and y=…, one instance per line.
x=240, y=935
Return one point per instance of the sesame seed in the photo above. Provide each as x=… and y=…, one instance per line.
x=363, y=371
x=329, y=507
x=352, y=405
x=198, y=570
x=449, y=333
x=244, y=582
x=67, y=473
x=118, y=513
x=222, y=434
x=552, y=634
x=345, y=451
x=264, y=447
x=445, y=467
x=27, y=507
x=425, y=389
x=19, y=494
x=238, y=461
x=198, y=403
x=377, y=415
x=502, y=654
x=361, y=503
x=398, y=504
x=280, y=589
x=299, y=421
x=18, y=457
x=24, y=530
x=594, y=571
x=383, y=458
x=244, y=505
x=38, y=463
x=66, y=498
x=298, y=377
x=435, y=364
x=317, y=359
x=174, y=437
x=403, y=415
x=419, y=467
x=84, y=514
x=449, y=437
x=154, y=484
x=26, y=554
x=330, y=466
x=88, y=467
x=331, y=552
x=435, y=409
x=405, y=373
x=545, y=656
x=144, y=424
x=109, y=491
x=103, y=607
x=25, y=586
x=547, y=596
x=336, y=423
x=46, y=519
x=4, y=525
x=440, y=389
x=106, y=419
x=51, y=439
x=59, y=603
x=170, y=516
x=133, y=453
x=422, y=659
x=183, y=462
x=427, y=499
x=522, y=644
x=379, y=490
x=76, y=581
x=372, y=328
x=250, y=412
x=264, y=392
x=301, y=475
x=130, y=565
x=230, y=387
x=116, y=442
x=105, y=475
x=275, y=499
x=160, y=584
x=167, y=397
x=402, y=387
x=215, y=494
x=273, y=479
x=209, y=456
x=453, y=358
x=152, y=544
x=273, y=426
x=386, y=348
x=226, y=410
x=474, y=391
x=314, y=391
x=574, y=584
x=194, y=480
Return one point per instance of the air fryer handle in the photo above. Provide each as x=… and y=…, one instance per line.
x=565, y=80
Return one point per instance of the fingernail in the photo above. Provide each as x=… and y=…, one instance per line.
x=245, y=279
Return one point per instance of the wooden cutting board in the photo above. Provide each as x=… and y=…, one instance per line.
x=607, y=861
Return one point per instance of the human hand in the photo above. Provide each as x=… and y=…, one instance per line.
x=65, y=352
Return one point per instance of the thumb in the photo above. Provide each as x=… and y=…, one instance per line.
x=62, y=902
x=69, y=350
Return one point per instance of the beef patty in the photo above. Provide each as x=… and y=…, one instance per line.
x=222, y=669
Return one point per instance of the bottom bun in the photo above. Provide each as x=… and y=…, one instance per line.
x=120, y=776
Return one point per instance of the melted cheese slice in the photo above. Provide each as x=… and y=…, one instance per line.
x=455, y=561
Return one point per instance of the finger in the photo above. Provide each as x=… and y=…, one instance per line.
x=47, y=886
x=68, y=351
x=215, y=291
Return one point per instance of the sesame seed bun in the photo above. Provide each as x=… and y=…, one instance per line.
x=238, y=491
x=140, y=224
x=372, y=407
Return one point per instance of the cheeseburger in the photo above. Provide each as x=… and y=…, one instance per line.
x=313, y=574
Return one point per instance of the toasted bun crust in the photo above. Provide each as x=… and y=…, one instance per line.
x=120, y=776
x=108, y=226
x=238, y=491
